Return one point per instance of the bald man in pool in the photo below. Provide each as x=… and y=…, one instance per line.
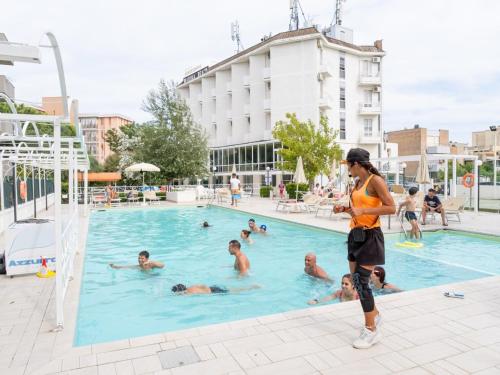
x=144, y=263
x=312, y=269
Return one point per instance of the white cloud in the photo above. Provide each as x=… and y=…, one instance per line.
x=442, y=67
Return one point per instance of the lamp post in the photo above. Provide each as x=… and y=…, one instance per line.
x=493, y=129
x=214, y=168
x=403, y=165
x=267, y=175
x=479, y=163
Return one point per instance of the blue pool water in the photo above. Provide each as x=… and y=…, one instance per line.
x=117, y=304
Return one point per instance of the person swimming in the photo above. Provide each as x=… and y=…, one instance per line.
x=144, y=263
x=313, y=269
x=205, y=224
x=347, y=293
x=180, y=289
x=378, y=281
x=245, y=236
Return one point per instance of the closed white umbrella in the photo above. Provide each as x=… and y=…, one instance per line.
x=299, y=177
x=333, y=173
x=423, y=171
x=142, y=167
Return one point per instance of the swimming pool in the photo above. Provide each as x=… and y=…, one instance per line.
x=117, y=304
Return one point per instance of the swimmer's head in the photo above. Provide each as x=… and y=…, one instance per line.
x=205, y=224
x=378, y=273
x=143, y=257
x=263, y=227
x=245, y=233
x=179, y=288
x=251, y=223
x=310, y=260
x=347, y=284
x=413, y=191
x=234, y=247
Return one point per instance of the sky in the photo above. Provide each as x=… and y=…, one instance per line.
x=441, y=71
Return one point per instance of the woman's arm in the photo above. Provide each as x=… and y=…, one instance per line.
x=325, y=299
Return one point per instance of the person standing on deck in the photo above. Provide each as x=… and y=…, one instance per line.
x=369, y=199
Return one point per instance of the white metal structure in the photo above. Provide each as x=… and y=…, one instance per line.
x=43, y=152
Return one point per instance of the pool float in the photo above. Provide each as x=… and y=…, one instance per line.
x=409, y=244
x=44, y=272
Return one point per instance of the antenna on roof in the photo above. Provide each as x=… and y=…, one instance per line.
x=235, y=36
x=337, y=18
x=294, y=15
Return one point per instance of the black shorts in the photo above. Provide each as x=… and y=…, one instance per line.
x=410, y=215
x=218, y=289
x=371, y=252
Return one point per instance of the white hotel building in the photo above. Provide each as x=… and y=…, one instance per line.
x=238, y=100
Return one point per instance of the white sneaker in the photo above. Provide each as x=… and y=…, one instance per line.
x=366, y=339
x=378, y=320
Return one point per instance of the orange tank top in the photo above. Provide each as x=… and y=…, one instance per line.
x=360, y=198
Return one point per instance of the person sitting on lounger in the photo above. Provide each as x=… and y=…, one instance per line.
x=347, y=293
x=312, y=269
x=144, y=263
x=433, y=204
x=377, y=281
x=181, y=289
x=245, y=236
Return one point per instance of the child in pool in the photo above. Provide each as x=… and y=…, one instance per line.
x=245, y=236
x=347, y=293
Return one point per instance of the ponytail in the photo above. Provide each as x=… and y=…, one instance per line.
x=370, y=168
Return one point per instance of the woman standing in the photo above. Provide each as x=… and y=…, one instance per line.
x=369, y=199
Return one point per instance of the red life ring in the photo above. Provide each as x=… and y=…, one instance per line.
x=23, y=190
x=468, y=180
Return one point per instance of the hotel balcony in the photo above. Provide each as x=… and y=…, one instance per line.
x=213, y=93
x=266, y=74
x=267, y=105
x=246, y=82
x=370, y=109
x=246, y=110
x=369, y=79
x=325, y=70
x=229, y=87
x=325, y=102
x=373, y=138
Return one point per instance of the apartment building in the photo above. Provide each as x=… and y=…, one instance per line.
x=484, y=143
x=238, y=100
x=94, y=128
x=417, y=141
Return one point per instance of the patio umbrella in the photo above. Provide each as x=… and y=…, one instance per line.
x=423, y=171
x=142, y=167
x=299, y=177
x=333, y=172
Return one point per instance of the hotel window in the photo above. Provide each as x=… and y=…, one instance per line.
x=368, y=127
x=342, y=126
x=342, y=97
x=342, y=67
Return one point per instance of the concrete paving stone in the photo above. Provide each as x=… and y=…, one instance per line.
x=262, y=329
x=204, y=352
x=367, y=366
x=213, y=367
x=485, y=336
x=168, y=345
x=331, y=341
x=442, y=367
x=317, y=362
x=124, y=368
x=182, y=334
x=290, y=323
x=424, y=335
x=249, y=343
x=348, y=354
x=182, y=342
x=489, y=371
x=480, y=321
x=414, y=371
x=146, y=364
x=430, y=352
x=244, y=360
x=84, y=371
x=475, y=360
x=108, y=369
x=268, y=319
x=243, y=323
x=456, y=344
x=250, y=331
x=290, y=350
x=258, y=357
x=47, y=368
x=146, y=340
x=88, y=360
x=290, y=335
x=70, y=362
x=295, y=366
x=219, y=350
x=394, y=361
x=110, y=346
x=215, y=337
x=178, y=357
x=130, y=353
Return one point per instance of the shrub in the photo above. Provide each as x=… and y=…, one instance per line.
x=265, y=191
x=291, y=189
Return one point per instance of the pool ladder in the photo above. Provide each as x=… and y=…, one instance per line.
x=401, y=221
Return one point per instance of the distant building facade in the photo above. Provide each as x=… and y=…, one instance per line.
x=417, y=141
x=94, y=128
x=483, y=144
x=238, y=100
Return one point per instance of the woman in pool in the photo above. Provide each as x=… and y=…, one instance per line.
x=369, y=199
x=245, y=236
x=347, y=293
x=378, y=281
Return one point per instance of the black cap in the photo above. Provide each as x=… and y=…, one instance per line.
x=357, y=154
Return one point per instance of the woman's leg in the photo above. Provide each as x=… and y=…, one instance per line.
x=365, y=297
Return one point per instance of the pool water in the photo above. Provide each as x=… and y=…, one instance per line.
x=117, y=304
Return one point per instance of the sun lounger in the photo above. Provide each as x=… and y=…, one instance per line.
x=291, y=205
x=132, y=196
x=150, y=196
x=454, y=207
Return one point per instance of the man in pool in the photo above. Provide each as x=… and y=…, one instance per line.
x=241, y=263
x=312, y=269
x=204, y=289
x=144, y=263
x=255, y=228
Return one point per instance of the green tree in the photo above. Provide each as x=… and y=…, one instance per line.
x=94, y=165
x=113, y=138
x=112, y=163
x=172, y=141
x=316, y=145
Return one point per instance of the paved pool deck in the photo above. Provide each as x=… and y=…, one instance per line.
x=423, y=331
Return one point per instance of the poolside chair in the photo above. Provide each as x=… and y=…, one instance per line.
x=454, y=206
x=132, y=196
x=151, y=196
x=98, y=197
x=398, y=189
x=223, y=195
x=291, y=205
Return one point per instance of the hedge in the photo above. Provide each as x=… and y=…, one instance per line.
x=291, y=189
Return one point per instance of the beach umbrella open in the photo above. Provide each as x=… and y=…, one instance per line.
x=142, y=168
x=299, y=177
